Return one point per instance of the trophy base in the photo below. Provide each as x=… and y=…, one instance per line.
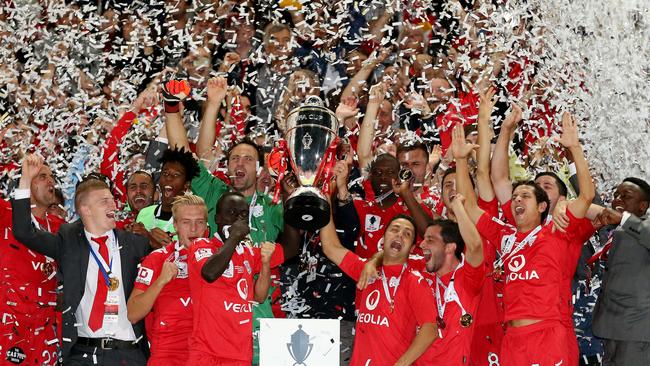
x=307, y=209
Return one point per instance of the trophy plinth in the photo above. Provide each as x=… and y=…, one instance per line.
x=307, y=209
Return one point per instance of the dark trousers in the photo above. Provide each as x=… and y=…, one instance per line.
x=93, y=356
x=626, y=353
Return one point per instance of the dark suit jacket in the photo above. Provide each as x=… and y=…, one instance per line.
x=623, y=308
x=69, y=247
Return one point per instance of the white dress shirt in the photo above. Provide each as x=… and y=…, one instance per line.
x=123, y=330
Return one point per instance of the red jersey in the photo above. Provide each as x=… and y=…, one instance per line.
x=170, y=325
x=454, y=346
x=223, y=318
x=534, y=272
x=382, y=334
x=373, y=220
x=27, y=278
x=581, y=230
x=463, y=109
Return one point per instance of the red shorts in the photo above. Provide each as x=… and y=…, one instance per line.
x=201, y=359
x=486, y=344
x=572, y=344
x=539, y=344
x=28, y=341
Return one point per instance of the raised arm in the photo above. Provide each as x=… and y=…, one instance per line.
x=218, y=262
x=483, y=182
x=332, y=247
x=367, y=130
x=421, y=218
x=500, y=172
x=471, y=236
x=569, y=140
x=21, y=214
x=361, y=77
x=461, y=150
x=208, y=130
x=174, y=92
x=263, y=281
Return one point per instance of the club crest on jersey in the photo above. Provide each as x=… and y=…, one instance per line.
x=248, y=267
x=230, y=271
x=144, y=275
x=202, y=253
x=182, y=269
x=373, y=223
x=515, y=265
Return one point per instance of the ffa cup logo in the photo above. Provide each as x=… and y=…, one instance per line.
x=517, y=263
x=373, y=300
x=372, y=223
x=144, y=276
x=242, y=288
x=230, y=271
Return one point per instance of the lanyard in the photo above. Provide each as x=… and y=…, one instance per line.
x=250, y=209
x=101, y=263
x=449, y=294
x=384, y=282
x=508, y=241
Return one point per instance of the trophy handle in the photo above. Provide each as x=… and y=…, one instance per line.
x=311, y=347
x=324, y=170
x=290, y=351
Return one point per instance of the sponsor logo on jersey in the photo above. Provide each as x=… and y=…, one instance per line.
x=373, y=300
x=203, y=253
x=367, y=318
x=144, y=275
x=515, y=265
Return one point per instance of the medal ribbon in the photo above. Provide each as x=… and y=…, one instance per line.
x=101, y=263
x=384, y=282
x=450, y=293
x=506, y=248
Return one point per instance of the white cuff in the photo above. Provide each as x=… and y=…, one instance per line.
x=163, y=140
x=626, y=215
x=572, y=169
x=20, y=194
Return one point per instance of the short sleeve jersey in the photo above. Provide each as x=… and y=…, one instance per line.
x=28, y=279
x=373, y=220
x=534, y=275
x=147, y=216
x=171, y=322
x=382, y=334
x=454, y=346
x=267, y=219
x=223, y=309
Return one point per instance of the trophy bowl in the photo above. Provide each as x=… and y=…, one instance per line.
x=311, y=137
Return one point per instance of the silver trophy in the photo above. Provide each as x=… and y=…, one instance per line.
x=311, y=138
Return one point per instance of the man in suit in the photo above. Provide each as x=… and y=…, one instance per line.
x=99, y=267
x=622, y=313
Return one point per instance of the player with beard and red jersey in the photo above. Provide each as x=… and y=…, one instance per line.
x=391, y=309
x=223, y=291
x=533, y=258
x=162, y=288
x=29, y=325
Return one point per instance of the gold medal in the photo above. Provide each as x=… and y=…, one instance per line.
x=466, y=320
x=392, y=306
x=47, y=268
x=113, y=283
x=405, y=174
